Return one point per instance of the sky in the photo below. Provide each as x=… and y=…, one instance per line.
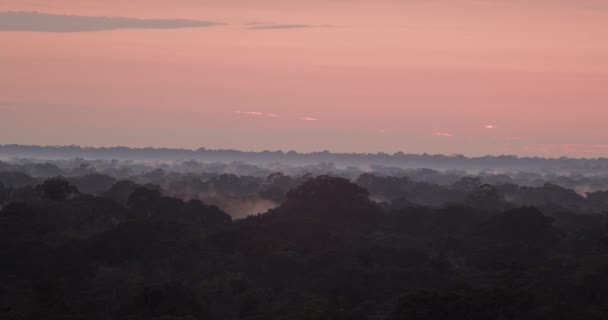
x=472, y=77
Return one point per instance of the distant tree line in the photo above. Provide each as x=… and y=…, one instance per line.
x=503, y=162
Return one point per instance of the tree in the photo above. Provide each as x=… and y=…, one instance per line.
x=465, y=303
x=56, y=189
x=467, y=184
x=485, y=197
x=4, y=193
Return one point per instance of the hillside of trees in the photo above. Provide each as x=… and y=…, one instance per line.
x=103, y=239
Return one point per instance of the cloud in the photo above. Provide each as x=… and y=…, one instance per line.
x=443, y=134
x=490, y=126
x=309, y=119
x=43, y=22
x=284, y=26
x=256, y=113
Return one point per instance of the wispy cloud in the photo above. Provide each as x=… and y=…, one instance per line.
x=489, y=126
x=271, y=115
x=257, y=113
x=443, y=134
x=43, y=22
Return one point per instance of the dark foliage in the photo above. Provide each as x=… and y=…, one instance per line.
x=463, y=250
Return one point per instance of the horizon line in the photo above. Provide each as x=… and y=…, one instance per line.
x=397, y=153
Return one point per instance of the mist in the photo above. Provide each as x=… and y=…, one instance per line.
x=225, y=234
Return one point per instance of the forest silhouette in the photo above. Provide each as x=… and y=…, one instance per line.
x=122, y=239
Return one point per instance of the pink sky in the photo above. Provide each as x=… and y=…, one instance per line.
x=470, y=77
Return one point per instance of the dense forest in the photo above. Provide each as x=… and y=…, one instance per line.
x=123, y=239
